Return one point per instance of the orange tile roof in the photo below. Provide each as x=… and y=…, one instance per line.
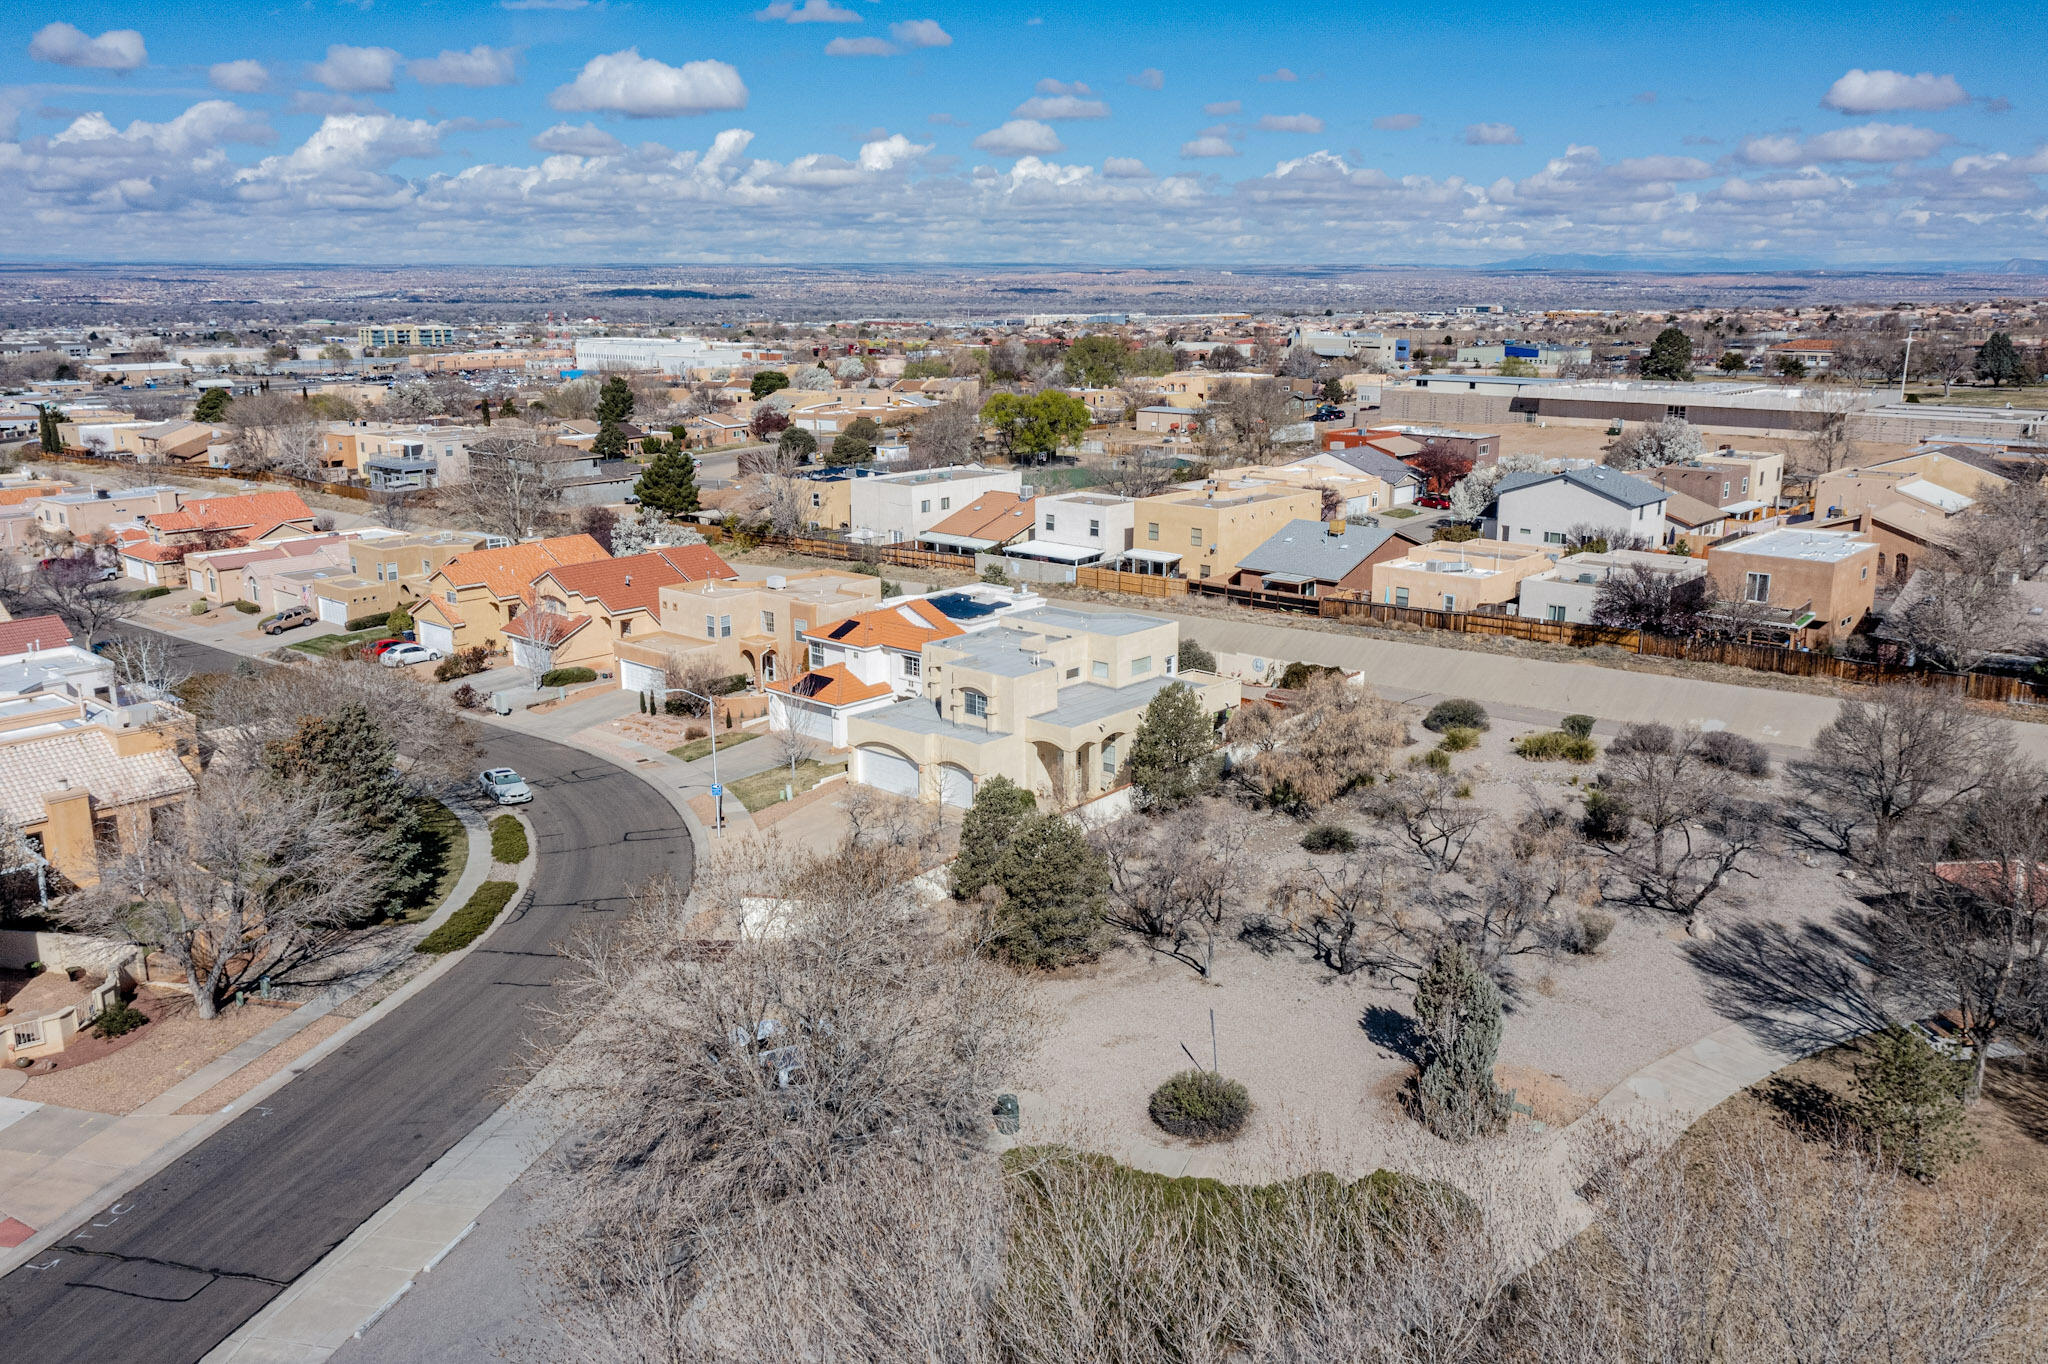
x=168, y=554
x=511, y=571
x=887, y=628
x=33, y=632
x=634, y=583
x=832, y=685
x=257, y=512
x=14, y=497
x=519, y=626
x=994, y=516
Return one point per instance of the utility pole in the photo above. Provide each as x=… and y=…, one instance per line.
x=1906, y=365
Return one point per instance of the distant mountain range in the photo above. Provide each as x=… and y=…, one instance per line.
x=1697, y=265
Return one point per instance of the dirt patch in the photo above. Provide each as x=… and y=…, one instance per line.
x=1556, y=1103
x=267, y=1065
x=119, y=1075
x=29, y=993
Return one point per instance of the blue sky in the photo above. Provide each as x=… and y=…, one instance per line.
x=931, y=131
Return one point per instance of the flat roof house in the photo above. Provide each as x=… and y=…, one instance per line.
x=1077, y=528
x=1799, y=587
x=1203, y=533
x=1568, y=591
x=900, y=508
x=1048, y=698
x=1466, y=575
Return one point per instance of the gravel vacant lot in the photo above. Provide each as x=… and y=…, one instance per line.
x=1323, y=1053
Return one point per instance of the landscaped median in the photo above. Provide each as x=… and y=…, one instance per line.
x=508, y=840
x=467, y=924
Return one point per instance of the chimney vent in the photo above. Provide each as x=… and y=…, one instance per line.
x=1336, y=525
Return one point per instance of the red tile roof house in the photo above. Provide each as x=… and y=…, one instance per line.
x=33, y=634
x=581, y=611
x=205, y=523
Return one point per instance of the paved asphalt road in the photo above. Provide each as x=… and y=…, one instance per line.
x=197, y=1250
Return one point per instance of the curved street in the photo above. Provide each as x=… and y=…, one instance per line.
x=193, y=1252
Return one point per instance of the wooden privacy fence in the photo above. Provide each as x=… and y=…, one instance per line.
x=1135, y=584
x=901, y=556
x=1479, y=623
x=313, y=485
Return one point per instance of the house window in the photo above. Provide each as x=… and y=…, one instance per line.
x=392, y=569
x=1756, y=587
x=913, y=665
x=767, y=622
x=711, y=627
x=1553, y=537
x=1151, y=530
x=1450, y=602
x=1554, y=612
x=1109, y=757
x=1195, y=536
x=768, y=668
x=1073, y=672
x=1205, y=570
x=817, y=500
x=1094, y=530
x=450, y=598
x=975, y=703
x=925, y=505
x=1142, y=665
x=1099, y=671
x=725, y=627
x=1866, y=570
x=1400, y=596
x=1048, y=524
x=945, y=504
x=817, y=655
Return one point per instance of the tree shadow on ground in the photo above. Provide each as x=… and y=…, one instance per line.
x=1394, y=1031
x=1798, y=987
x=2020, y=1089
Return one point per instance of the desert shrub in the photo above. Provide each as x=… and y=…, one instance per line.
x=1744, y=757
x=1329, y=838
x=467, y=697
x=1436, y=760
x=1578, y=726
x=1299, y=675
x=462, y=663
x=676, y=705
x=567, y=677
x=149, y=594
x=508, y=840
x=1458, y=738
x=1554, y=745
x=1195, y=658
x=1456, y=713
x=200, y=607
x=1606, y=818
x=1589, y=931
x=247, y=608
x=1200, y=1105
x=118, y=1020
x=467, y=924
x=375, y=622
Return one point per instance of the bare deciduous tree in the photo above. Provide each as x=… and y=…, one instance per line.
x=945, y=435
x=230, y=888
x=1176, y=882
x=1954, y=617
x=1427, y=807
x=244, y=712
x=146, y=666
x=1881, y=764
x=511, y=489
x=71, y=588
x=1335, y=737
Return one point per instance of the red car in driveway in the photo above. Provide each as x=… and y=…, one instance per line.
x=377, y=648
x=1433, y=502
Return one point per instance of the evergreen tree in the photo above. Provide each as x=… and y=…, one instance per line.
x=1670, y=356
x=2000, y=362
x=1054, y=885
x=1911, y=1105
x=766, y=382
x=1333, y=390
x=1000, y=808
x=507, y=408
x=614, y=410
x=347, y=756
x=484, y=407
x=856, y=444
x=1173, y=753
x=669, y=485
x=1458, y=1007
x=212, y=405
x=798, y=442
x=46, y=428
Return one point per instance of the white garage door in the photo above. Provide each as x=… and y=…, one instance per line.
x=811, y=721
x=332, y=611
x=956, y=785
x=439, y=638
x=641, y=677
x=887, y=771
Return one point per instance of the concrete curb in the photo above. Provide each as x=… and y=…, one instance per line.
x=205, y=1126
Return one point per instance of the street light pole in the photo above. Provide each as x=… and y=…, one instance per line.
x=1906, y=365
x=718, y=788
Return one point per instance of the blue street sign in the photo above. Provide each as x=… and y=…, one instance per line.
x=717, y=790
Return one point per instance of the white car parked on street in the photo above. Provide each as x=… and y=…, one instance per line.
x=504, y=786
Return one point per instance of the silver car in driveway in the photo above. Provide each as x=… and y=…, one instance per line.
x=504, y=786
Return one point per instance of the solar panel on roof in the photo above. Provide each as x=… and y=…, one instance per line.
x=845, y=628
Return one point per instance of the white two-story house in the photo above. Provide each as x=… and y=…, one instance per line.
x=1538, y=508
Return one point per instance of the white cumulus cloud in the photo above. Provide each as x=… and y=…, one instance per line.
x=810, y=12
x=1125, y=168
x=641, y=87
x=860, y=47
x=354, y=70
x=480, y=66
x=1020, y=137
x=1873, y=142
x=1207, y=147
x=1885, y=92
x=577, y=139
x=350, y=142
x=1061, y=106
x=1492, y=135
x=1646, y=169
x=199, y=130
x=118, y=49
x=920, y=33
x=887, y=153
x=244, y=77
x=1290, y=123
x=1151, y=78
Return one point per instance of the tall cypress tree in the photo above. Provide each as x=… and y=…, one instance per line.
x=46, y=427
x=669, y=485
x=1459, y=1009
x=614, y=410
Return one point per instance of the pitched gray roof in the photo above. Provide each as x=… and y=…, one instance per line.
x=1378, y=464
x=1611, y=484
x=1308, y=548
